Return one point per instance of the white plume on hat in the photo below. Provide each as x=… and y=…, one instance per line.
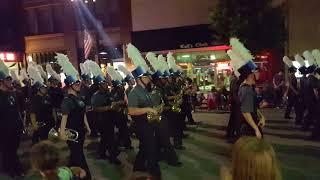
x=136, y=57
x=234, y=58
x=93, y=68
x=84, y=70
x=113, y=74
x=4, y=68
x=34, y=74
x=67, y=67
x=15, y=75
x=287, y=61
x=52, y=72
x=241, y=54
x=163, y=64
x=153, y=60
x=316, y=55
x=23, y=74
x=308, y=56
x=241, y=49
x=172, y=62
x=42, y=72
x=300, y=60
x=124, y=70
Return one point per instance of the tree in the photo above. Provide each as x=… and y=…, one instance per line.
x=257, y=23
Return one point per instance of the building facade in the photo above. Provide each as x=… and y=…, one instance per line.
x=58, y=26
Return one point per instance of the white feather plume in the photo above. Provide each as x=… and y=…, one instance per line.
x=15, y=75
x=234, y=59
x=67, y=67
x=163, y=64
x=153, y=60
x=34, y=74
x=23, y=74
x=172, y=62
x=124, y=70
x=300, y=60
x=112, y=73
x=42, y=72
x=316, y=55
x=52, y=72
x=119, y=76
x=4, y=68
x=93, y=68
x=308, y=56
x=241, y=49
x=136, y=57
x=287, y=61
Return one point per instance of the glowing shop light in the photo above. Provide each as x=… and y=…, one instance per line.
x=185, y=56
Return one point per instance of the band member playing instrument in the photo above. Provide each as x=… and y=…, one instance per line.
x=102, y=106
x=11, y=125
x=41, y=113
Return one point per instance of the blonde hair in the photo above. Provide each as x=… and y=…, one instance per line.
x=44, y=157
x=254, y=159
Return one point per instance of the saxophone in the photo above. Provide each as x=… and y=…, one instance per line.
x=156, y=117
x=177, y=103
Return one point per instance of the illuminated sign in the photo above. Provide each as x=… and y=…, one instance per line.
x=223, y=66
x=7, y=56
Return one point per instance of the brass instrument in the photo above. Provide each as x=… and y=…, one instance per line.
x=177, y=103
x=71, y=134
x=156, y=117
x=28, y=130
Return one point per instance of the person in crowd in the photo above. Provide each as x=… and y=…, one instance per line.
x=278, y=86
x=267, y=99
x=45, y=158
x=253, y=159
x=11, y=126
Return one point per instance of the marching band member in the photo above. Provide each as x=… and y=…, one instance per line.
x=41, y=114
x=253, y=120
x=157, y=96
x=120, y=115
x=316, y=90
x=73, y=115
x=139, y=105
x=11, y=125
x=102, y=105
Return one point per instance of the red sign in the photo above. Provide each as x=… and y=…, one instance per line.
x=8, y=57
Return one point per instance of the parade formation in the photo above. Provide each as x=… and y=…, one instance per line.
x=148, y=99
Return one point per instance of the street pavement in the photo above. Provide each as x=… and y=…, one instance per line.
x=207, y=150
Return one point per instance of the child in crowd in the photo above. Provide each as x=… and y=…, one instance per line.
x=45, y=158
x=253, y=159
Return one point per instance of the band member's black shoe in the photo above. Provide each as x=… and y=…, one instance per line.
x=287, y=117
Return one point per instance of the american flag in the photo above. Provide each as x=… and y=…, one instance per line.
x=87, y=43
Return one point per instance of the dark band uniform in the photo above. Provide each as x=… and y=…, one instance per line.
x=75, y=108
x=42, y=107
x=121, y=117
x=145, y=131
x=106, y=124
x=10, y=132
x=166, y=149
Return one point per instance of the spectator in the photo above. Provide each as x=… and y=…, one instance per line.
x=45, y=158
x=278, y=85
x=252, y=159
x=212, y=104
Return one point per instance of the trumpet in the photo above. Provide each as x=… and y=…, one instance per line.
x=156, y=117
x=71, y=134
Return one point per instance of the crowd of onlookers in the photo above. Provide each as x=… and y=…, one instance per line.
x=269, y=95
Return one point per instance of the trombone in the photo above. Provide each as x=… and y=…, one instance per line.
x=71, y=134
